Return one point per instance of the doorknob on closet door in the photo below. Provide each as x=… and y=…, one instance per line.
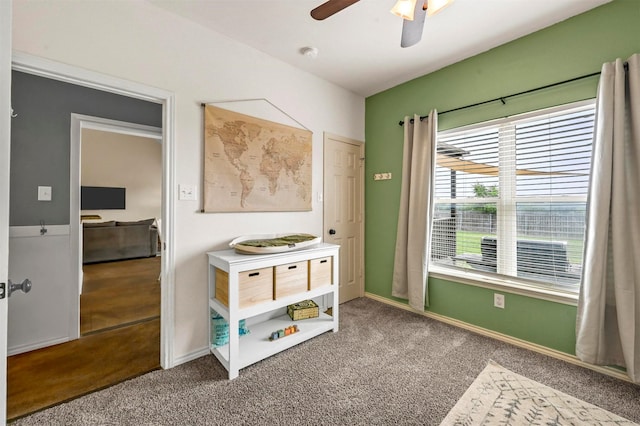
x=332, y=231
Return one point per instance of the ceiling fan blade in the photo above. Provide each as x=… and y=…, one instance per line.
x=330, y=7
x=412, y=30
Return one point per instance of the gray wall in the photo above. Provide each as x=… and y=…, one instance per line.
x=40, y=140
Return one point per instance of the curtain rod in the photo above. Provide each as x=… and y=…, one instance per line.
x=502, y=98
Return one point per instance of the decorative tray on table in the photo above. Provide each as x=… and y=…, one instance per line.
x=273, y=243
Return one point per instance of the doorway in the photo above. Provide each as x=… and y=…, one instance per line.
x=120, y=255
x=85, y=78
x=107, y=156
x=53, y=70
x=344, y=210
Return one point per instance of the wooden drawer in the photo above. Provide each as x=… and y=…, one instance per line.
x=291, y=278
x=255, y=286
x=320, y=272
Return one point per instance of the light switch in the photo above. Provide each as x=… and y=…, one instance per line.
x=44, y=193
x=187, y=192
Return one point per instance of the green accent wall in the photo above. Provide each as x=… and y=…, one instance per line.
x=572, y=48
x=537, y=321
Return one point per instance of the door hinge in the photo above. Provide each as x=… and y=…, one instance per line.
x=3, y=289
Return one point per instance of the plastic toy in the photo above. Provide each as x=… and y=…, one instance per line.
x=283, y=332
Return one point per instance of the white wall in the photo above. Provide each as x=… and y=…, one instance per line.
x=136, y=41
x=124, y=161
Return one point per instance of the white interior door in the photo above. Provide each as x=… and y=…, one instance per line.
x=5, y=133
x=344, y=210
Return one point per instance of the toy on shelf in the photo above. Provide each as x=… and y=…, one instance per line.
x=303, y=310
x=283, y=332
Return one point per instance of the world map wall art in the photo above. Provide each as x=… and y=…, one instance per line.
x=254, y=165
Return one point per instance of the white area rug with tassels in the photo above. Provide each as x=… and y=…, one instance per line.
x=501, y=397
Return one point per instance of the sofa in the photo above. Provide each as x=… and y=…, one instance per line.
x=118, y=240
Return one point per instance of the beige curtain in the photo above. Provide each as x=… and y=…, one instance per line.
x=608, y=322
x=413, y=241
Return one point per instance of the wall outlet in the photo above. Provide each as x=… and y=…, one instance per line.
x=498, y=300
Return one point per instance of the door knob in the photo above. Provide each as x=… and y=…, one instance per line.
x=332, y=231
x=25, y=286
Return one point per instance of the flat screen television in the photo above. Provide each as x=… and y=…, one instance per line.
x=102, y=198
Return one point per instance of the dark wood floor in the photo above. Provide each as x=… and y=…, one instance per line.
x=120, y=339
x=119, y=293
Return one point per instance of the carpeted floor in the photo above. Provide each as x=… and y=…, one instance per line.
x=385, y=366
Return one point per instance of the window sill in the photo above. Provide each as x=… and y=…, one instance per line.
x=514, y=286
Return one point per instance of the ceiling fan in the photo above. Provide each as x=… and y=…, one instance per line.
x=413, y=13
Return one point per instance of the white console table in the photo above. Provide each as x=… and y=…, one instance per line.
x=267, y=315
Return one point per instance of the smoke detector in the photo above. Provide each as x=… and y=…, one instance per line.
x=309, y=52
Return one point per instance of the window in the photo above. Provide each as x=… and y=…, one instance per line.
x=510, y=196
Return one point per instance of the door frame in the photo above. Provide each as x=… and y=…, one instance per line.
x=5, y=149
x=361, y=146
x=70, y=74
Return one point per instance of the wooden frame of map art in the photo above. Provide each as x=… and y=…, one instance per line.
x=254, y=165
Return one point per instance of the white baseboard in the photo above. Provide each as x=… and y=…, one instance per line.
x=572, y=359
x=191, y=356
x=33, y=346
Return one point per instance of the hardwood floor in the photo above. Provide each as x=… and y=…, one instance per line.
x=118, y=293
x=120, y=339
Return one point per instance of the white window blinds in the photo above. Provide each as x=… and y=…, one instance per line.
x=511, y=196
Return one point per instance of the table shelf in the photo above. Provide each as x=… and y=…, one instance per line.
x=266, y=317
x=256, y=345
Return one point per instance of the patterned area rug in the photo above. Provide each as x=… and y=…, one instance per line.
x=501, y=397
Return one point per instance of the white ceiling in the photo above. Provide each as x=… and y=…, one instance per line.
x=359, y=47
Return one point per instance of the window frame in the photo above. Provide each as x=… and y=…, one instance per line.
x=498, y=280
